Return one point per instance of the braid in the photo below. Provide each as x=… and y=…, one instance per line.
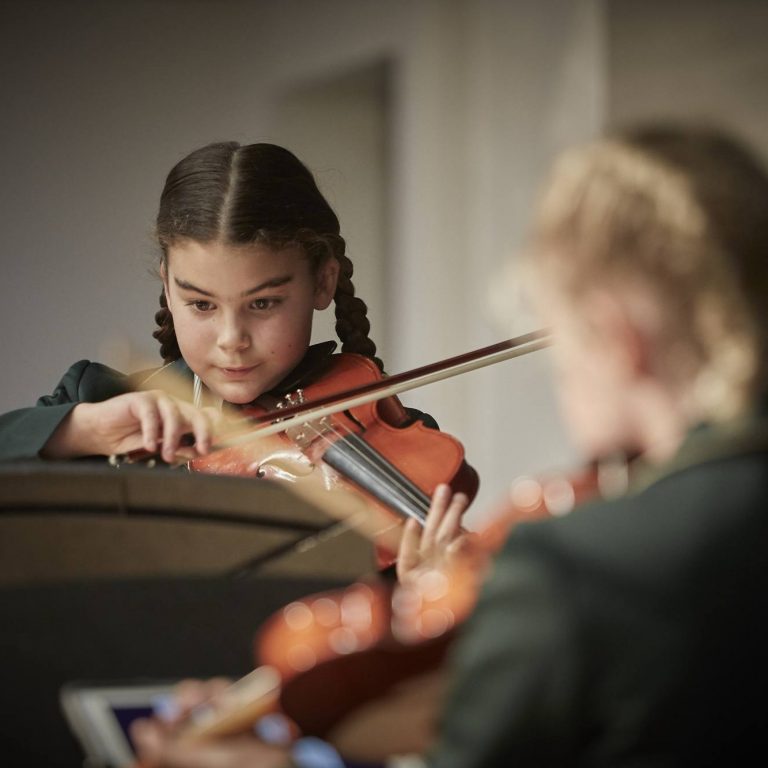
x=352, y=325
x=165, y=334
x=240, y=195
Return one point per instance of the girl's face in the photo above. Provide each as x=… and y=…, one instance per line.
x=243, y=314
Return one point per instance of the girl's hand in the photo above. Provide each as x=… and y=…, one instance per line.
x=439, y=541
x=159, y=746
x=149, y=420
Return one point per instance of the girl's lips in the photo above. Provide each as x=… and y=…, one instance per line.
x=237, y=372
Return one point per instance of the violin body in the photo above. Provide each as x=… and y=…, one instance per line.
x=376, y=449
x=350, y=647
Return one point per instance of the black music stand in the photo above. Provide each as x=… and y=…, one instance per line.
x=128, y=574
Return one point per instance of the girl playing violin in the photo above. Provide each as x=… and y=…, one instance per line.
x=249, y=250
x=632, y=631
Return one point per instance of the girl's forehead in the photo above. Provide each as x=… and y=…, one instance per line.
x=216, y=259
x=220, y=251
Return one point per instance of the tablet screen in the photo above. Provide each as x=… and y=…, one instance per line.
x=125, y=715
x=100, y=716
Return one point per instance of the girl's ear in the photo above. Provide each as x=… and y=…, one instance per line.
x=621, y=333
x=164, y=278
x=325, y=282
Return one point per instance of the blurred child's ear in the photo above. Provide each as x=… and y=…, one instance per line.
x=620, y=332
x=326, y=278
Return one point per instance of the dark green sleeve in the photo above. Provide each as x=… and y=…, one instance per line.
x=24, y=432
x=418, y=415
x=515, y=678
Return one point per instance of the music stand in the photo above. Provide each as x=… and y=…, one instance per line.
x=129, y=574
x=86, y=520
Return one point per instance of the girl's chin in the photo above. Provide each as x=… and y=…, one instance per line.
x=241, y=399
x=238, y=394
x=240, y=391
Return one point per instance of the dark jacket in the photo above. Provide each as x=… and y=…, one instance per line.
x=25, y=431
x=632, y=632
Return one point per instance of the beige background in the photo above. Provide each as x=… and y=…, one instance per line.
x=428, y=123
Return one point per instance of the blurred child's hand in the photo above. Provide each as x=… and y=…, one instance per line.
x=160, y=744
x=159, y=748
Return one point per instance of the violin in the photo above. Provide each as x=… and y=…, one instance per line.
x=348, y=429
x=324, y=656
x=376, y=448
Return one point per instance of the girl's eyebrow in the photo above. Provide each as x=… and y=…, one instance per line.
x=273, y=282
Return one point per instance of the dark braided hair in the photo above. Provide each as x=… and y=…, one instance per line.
x=256, y=193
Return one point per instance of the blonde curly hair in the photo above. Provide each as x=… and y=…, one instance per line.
x=681, y=213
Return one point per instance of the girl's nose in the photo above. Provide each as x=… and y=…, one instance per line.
x=233, y=334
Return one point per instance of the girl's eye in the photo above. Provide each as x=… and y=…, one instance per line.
x=201, y=305
x=264, y=304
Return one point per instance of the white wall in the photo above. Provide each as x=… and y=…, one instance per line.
x=692, y=59
x=490, y=91
x=339, y=126
x=104, y=97
x=100, y=99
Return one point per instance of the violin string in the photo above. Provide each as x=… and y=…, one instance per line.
x=415, y=499
x=418, y=500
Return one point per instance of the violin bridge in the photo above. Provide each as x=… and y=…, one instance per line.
x=304, y=434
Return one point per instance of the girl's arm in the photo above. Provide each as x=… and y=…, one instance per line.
x=150, y=420
x=25, y=431
x=92, y=412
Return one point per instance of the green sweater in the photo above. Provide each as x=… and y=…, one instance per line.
x=633, y=632
x=25, y=431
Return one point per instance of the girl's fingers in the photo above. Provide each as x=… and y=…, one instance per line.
x=172, y=426
x=450, y=525
x=202, y=427
x=440, y=500
x=146, y=414
x=464, y=543
x=408, y=557
x=165, y=419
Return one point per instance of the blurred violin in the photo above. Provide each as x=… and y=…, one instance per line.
x=350, y=665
